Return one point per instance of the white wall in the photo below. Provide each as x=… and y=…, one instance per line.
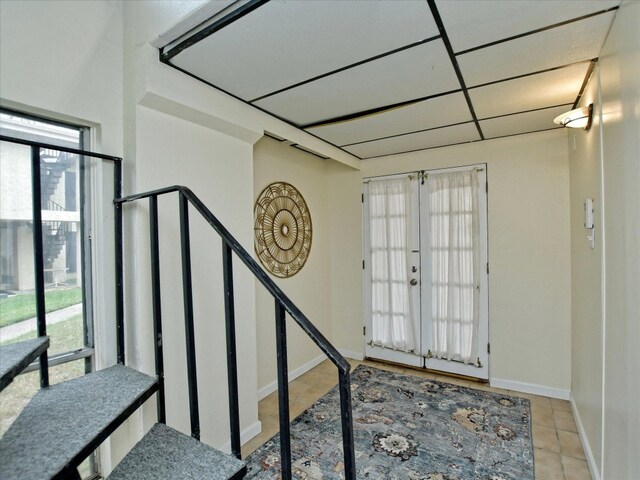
x=216, y=167
x=174, y=135
x=529, y=283
x=64, y=59
x=310, y=287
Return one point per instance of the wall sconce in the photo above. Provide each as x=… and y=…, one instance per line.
x=578, y=118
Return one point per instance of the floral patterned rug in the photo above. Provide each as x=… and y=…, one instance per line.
x=408, y=428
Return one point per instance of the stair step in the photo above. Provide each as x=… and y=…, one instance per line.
x=165, y=453
x=64, y=423
x=15, y=357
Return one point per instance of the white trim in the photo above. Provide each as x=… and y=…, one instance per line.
x=273, y=386
x=351, y=354
x=531, y=388
x=245, y=435
x=591, y=461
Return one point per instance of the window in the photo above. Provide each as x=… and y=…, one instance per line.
x=66, y=254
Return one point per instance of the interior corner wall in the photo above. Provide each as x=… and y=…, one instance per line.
x=620, y=85
x=605, y=166
x=586, y=275
x=180, y=135
x=172, y=151
x=310, y=287
x=529, y=256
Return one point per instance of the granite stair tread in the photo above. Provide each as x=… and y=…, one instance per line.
x=64, y=423
x=15, y=357
x=164, y=453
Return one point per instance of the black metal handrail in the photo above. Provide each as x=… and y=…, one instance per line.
x=283, y=305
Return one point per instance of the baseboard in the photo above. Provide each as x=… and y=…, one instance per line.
x=531, y=388
x=351, y=354
x=591, y=461
x=293, y=374
x=245, y=435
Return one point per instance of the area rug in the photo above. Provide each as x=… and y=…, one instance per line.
x=410, y=428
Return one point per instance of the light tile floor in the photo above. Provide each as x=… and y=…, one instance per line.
x=558, y=452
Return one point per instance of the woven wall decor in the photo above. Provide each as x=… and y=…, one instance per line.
x=282, y=229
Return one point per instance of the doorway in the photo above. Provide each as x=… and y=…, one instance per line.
x=426, y=269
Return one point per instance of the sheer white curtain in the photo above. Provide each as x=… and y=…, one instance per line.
x=393, y=319
x=455, y=256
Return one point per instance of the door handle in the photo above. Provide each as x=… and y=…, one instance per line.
x=413, y=282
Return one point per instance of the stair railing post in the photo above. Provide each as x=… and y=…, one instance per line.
x=347, y=425
x=157, y=304
x=38, y=259
x=187, y=295
x=232, y=361
x=119, y=254
x=283, y=392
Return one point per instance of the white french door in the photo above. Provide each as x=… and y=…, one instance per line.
x=426, y=282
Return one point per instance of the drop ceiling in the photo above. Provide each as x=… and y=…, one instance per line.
x=381, y=77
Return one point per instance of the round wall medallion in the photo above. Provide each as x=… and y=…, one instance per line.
x=282, y=229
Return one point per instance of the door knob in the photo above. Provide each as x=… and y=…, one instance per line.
x=413, y=282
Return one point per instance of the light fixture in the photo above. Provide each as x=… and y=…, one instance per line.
x=578, y=118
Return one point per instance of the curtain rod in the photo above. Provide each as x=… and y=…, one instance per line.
x=419, y=173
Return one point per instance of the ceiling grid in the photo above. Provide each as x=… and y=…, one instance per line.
x=378, y=78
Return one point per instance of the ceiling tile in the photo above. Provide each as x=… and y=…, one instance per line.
x=417, y=141
x=556, y=87
x=570, y=43
x=432, y=113
x=522, y=122
x=413, y=73
x=285, y=42
x=500, y=19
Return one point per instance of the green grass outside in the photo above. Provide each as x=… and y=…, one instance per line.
x=23, y=306
x=65, y=336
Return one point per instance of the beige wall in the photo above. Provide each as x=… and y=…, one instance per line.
x=529, y=283
x=586, y=272
x=605, y=166
x=620, y=76
x=310, y=287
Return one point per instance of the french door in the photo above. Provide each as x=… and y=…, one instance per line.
x=426, y=285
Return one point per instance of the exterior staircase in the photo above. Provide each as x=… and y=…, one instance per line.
x=54, y=239
x=64, y=423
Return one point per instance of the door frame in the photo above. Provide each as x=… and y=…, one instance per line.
x=375, y=351
x=420, y=359
x=457, y=367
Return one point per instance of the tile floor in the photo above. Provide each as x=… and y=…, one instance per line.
x=558, y=452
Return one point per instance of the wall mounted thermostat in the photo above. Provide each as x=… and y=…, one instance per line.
x=588, y=213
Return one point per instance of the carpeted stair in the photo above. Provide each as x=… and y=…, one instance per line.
x=14, y=358
x=64, y=423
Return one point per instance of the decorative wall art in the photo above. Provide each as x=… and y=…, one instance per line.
x=282, y=229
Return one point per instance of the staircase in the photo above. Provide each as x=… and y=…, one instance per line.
x=54, y=239
x=53, y=164
x=64, y=423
